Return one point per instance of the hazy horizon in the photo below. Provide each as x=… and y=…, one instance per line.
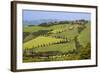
x=36, y=15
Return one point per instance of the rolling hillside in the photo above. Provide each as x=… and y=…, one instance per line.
x=62, y=39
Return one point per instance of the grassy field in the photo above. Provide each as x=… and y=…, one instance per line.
x=41, y=40
x=85, y=36
x=57, y=42
x=65, y=47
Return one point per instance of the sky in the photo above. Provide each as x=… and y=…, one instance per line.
x=30, y=15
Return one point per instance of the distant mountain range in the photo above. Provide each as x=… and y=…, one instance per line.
x=37, y=22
